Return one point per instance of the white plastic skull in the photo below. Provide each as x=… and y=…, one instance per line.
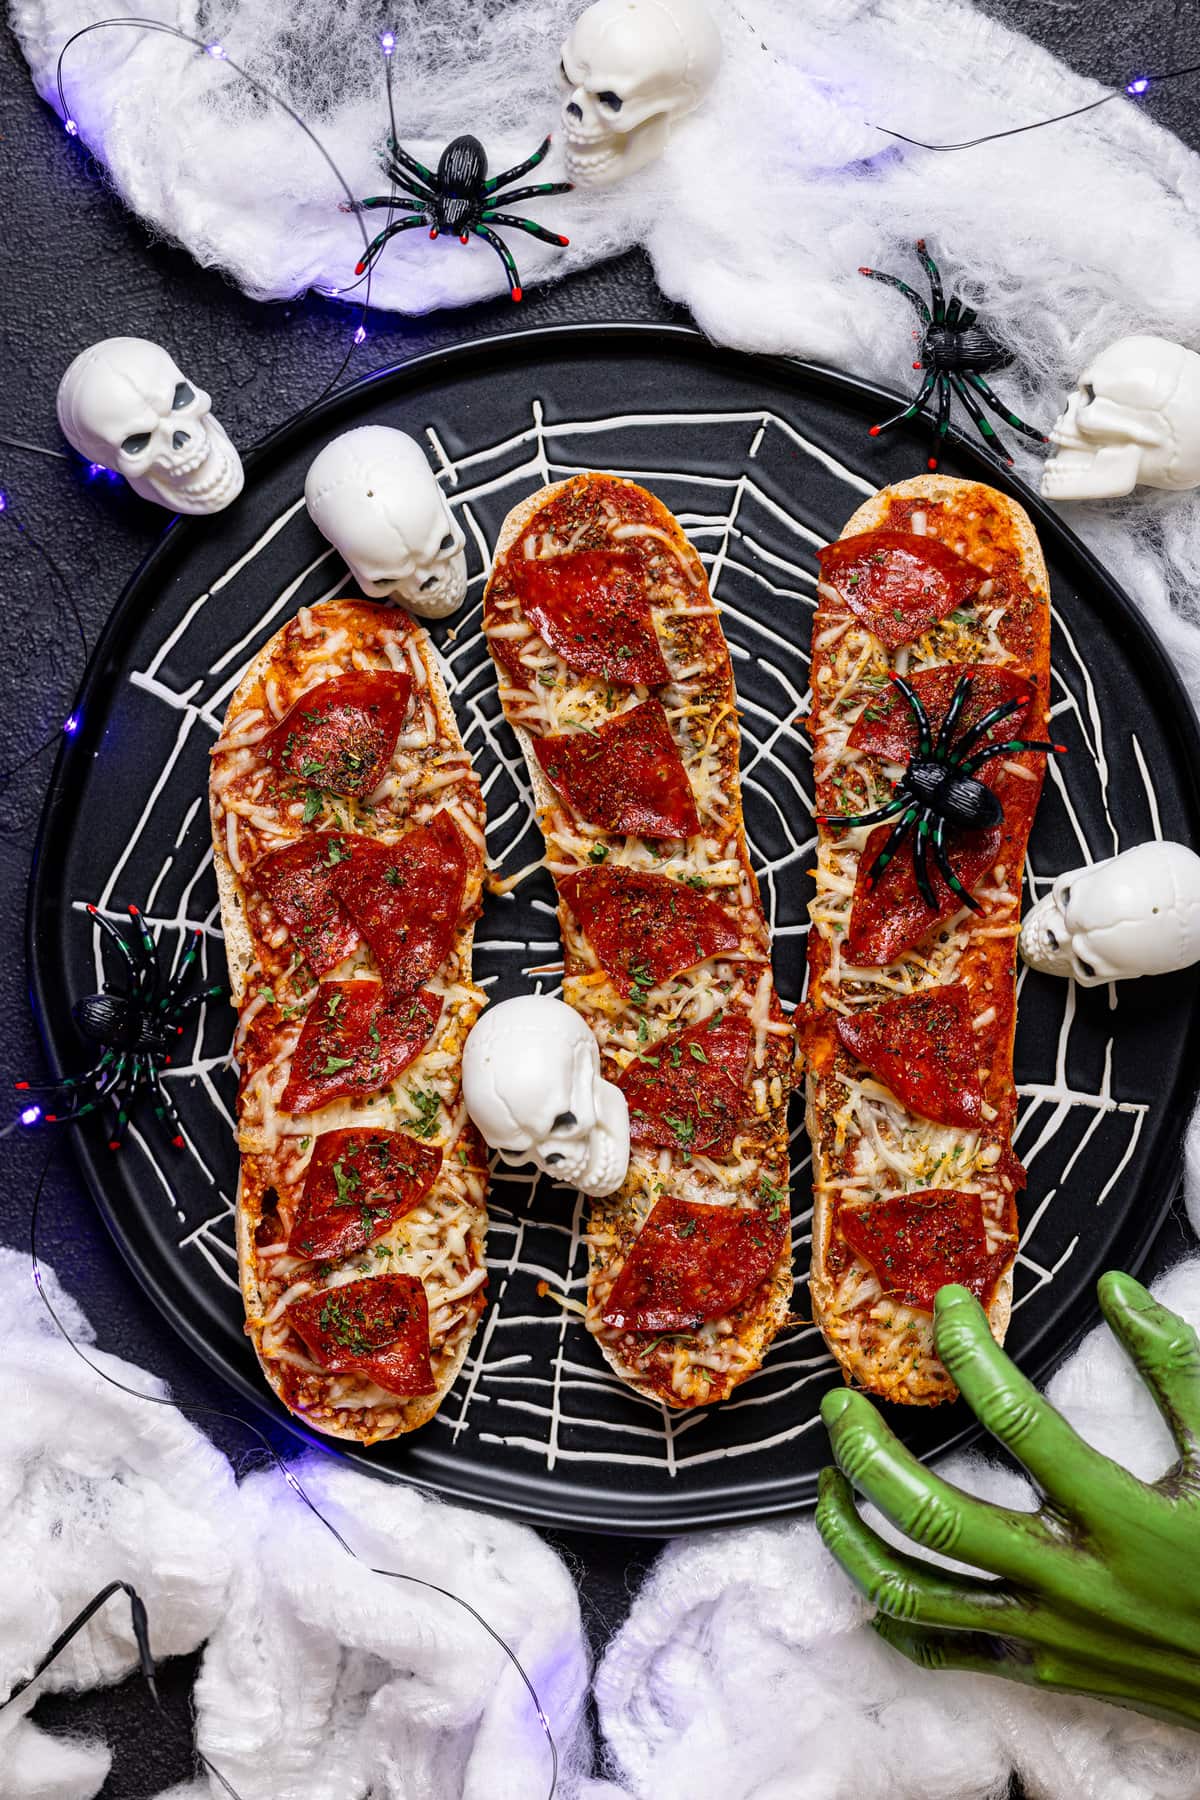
x=1136, y=914
x=532, y=1084
x=372, y=493
x=124, y=403
x=1133, y=419
x=634, y=67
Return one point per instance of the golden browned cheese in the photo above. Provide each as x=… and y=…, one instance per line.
x=257, y=809
x=543, y=695
x=867, y=1145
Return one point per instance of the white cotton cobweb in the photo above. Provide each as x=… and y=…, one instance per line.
x=747, y=1667
x=768, y=198
x=95, y=1486
x=362, y=1635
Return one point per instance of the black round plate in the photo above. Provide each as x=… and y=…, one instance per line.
x=762, y=461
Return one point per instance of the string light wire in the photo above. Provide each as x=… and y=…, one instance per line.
x=194, y=1409
x=218, y=53
x=1130, y=90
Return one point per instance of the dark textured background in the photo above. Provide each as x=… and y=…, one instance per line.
x=78, y=267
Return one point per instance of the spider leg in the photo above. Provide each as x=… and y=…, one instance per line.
x=851, y=820
x=935, y=283
x=137, y=1080
x=998, y=407
x=527, y=193
x=921, y=862
x=983, y=727
x=121, y=942
x=891, y=845
x=506, y=257
x=392, y=201
x=145, y=953
x=183, y=971
x=531, y=162
x=68, y=1081
x=958, y=700
x=537, y=231
x=376, y=245
x=164, y=1105
x=1012, y=748
x=982, y=423
x=410, y=163
x=910, y=294
x=910, y=411
x=967, y=317
x=953, y=314
x=919, y=713
x=949, y=877
x=942, y=423
x=114, y=1077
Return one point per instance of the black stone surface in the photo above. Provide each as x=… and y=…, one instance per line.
x=77, y=267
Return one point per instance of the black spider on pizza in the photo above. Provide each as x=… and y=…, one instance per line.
x=459, y=199
x=135, y=1028
x=940, y=790
x=956, y=355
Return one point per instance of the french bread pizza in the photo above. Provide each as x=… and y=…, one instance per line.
x=930, y=670
x=615, y=677
x=348, y=836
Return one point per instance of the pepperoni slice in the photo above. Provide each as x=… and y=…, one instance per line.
x=357, y=1185
x=692, y=1262
x=377, y=1327
x=891, y=917
x=340, y=735
x=646, y=928
x=924, y=1047
x=887, y=729
x=295, y=880
x=625, y=775
x=688, y=1091
x=405, y=898
x=897, y=583
x=917, y=1242
x=593, y=609
x=356, y=1041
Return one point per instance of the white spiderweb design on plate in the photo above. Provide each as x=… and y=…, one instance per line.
x=534, y=1388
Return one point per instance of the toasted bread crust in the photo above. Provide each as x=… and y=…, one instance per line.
x=953, y=513
x=270, y=1161
x=615, y=1221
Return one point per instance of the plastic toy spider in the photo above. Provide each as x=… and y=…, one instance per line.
x=939, y=788
x=956, y=353
x=133, y=1029
x=460, y=199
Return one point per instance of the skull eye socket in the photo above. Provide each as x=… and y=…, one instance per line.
x=612, y=101
x=1089, y=392
x=1086, y=966
x=136, y=443
x=184, y=395
x=563, y=1120
x=447, y=543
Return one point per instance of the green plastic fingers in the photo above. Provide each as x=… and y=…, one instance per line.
x=1099, y=1589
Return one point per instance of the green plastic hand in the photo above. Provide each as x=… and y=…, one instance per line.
x=1100, y=1587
